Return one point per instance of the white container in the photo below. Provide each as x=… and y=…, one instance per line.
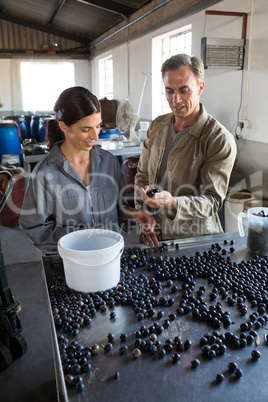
x=92, y=278
x=255, y=204
x=144, y=125
x=257, y=236
x=12, y=159
x=142, y=134
x=91, y=259
x=98, y=246
x=234, y=203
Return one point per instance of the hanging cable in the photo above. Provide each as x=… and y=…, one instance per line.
x=249, y=58
x=239, y=108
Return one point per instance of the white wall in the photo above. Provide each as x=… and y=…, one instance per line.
x=258, y=74
x=222, y=93
x=223, y=87
x=82, y=73
x=5, y=85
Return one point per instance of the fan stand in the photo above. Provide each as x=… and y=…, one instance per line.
x=132, y=135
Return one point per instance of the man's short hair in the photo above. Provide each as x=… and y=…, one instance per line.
x=184, y=60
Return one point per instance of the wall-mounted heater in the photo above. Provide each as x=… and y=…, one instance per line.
x=223, y=53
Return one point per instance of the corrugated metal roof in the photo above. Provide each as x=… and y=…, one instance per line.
x=28, y=24
x=20, y=39
x=78, y=26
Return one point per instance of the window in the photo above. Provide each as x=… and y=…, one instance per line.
x=43, y=81
x=106, y=87
x=179, y=41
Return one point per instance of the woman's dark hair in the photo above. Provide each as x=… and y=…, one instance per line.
x=183, y=60
x=73, y=104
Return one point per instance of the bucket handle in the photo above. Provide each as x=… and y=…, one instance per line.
x=240, y=217
x=98, y=267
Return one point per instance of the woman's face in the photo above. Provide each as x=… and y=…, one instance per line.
x=82, y=135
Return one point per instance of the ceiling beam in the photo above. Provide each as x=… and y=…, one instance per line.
x=57, y=10
x=4, y=15
x=110, y=6
x=69, y=53
x=152, y=16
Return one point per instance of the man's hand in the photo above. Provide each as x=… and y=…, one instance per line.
x=162, y=199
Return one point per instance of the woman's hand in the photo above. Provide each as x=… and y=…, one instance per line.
x=151, y=239
x=146, y=221
x=149, y=234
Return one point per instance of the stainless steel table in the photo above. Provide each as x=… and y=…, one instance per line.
x=149, y=378
x=119, y=148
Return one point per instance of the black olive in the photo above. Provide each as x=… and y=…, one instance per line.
x=150, y=193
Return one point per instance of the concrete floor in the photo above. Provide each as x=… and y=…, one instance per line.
x=32, y=376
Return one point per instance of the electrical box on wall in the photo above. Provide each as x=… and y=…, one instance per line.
x=223, y=53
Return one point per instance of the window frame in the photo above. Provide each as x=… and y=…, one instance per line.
x=43, y=77
x=159, y=103
x=106, y=86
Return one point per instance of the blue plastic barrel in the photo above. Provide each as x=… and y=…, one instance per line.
x=22, y=127
x=35, y=127
x=27, y=121
x=42, y=128
x=9, y=139
x=107, y=132
x=20, y=120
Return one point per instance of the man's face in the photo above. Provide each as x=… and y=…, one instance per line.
x=182, y=91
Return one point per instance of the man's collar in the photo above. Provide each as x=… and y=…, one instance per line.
x=197, y=128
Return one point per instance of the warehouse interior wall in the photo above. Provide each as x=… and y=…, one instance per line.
x=229, y=95
x=132, y=60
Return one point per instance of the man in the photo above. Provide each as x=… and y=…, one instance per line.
x=187, y=155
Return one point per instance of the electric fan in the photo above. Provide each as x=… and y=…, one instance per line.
x=127, y=120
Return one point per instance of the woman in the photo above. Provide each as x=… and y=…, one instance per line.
x=77, y=185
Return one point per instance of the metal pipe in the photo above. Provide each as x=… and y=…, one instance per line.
x=142, y=92
x=102, y=8
x=131, y=23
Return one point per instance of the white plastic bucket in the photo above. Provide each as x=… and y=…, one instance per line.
x=255, y=204
x=10, y=158
x=92, y=278
x=234, y=204
x=91, y=246
x=91, y=259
